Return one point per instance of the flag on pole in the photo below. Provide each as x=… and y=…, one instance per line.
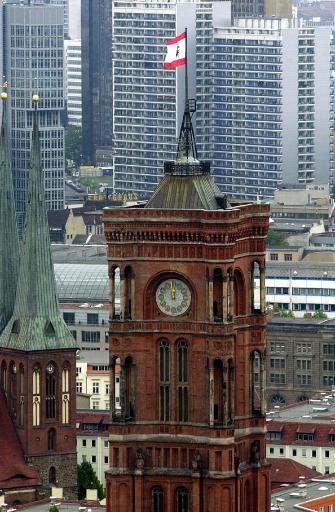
x=176, y=52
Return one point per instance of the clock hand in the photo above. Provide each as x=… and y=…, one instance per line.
x=173, y=290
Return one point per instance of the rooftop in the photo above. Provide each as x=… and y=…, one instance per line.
x=320, y=410
x=289, y=500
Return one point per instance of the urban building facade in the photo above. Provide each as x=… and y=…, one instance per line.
x=300, y=359
x=33, y=61
x=270, y=114
x=304, y=433
x=92, y=441
x=72, y=81
x=148, y=99
x=261, y=8
x=189, y=430
x=97, y=86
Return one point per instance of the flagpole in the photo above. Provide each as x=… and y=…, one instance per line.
x=186, y=71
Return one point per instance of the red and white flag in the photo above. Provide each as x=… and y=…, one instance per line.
x=176, y=52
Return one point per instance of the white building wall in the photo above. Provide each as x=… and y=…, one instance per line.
x=94, y=449
x=72, y=78
x=323, y=461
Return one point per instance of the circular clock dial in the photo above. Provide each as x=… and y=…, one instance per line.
x=173, y=297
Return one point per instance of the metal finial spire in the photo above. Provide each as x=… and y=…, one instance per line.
x=36, y=323
x=9, y=242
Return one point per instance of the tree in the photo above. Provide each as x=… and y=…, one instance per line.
x=276, y=238
x=320, y=315
x=282, y=312
x=73, y=144
x=87, y=479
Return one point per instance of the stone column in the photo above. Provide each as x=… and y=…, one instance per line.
x=196, y=494
x=224, y=397
x=132, y=296
x=210, y=300
x=122, y=389
x=112, y=293
x=263, y=383
x=122, y=296
x=262, y=290
x=138, y=491
x=211, y=396
x=252, y=290
x=231, y=296
x=225, y=299
x=112, y=390
x=232, y=393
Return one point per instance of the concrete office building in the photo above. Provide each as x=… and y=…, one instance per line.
x=72, y=61
x=268, y=88
x=33, y=62
x=97, y=86
x=260, y=8
x=148, y=99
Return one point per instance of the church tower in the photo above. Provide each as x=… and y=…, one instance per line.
x=189, y=432
x=37, y=351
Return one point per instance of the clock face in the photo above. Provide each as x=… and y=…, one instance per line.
x=173, y=297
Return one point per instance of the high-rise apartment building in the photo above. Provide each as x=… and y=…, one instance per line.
x=260, y=8
x=267, y=84
x=65, y=5
x=97, y=86
x=148, y=100
x=72, y=69
x=33, y=61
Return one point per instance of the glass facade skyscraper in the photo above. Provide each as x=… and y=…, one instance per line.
x=33, y=62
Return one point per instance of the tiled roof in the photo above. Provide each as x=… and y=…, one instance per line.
x=13, y=470
x=289, y=430
x=289, y=471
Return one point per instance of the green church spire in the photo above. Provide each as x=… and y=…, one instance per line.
x=9, y=242
x=36, y=323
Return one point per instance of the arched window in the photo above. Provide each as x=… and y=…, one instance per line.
x=164, y=381
x=36, y=396
x=218, y=295
x=129, y=385
x=218, y=391
x=230, y=392
x=128, y=292
x=51, y=439
x=65, y=394
x=182, y=376
x=4, y=376
x=157, y=499
x=182, y=499
x=255, y=295
x=21, y=395
x=114, y=291
x=255, y=383
x=115, y=392
x=52, y=475
x=12, y=389
x=239, y=293
x=50, y=391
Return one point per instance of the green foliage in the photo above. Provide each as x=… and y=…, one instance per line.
x=53, y=508
x=320, y=315
x=276, y=238
x=87, y=479
x=284, y=313
x=73, y=144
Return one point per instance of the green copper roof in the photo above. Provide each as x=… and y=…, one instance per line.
x=9, y=243
x=36, y=323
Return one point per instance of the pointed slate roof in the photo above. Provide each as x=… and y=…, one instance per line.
x=36, y=323
x=9, y=242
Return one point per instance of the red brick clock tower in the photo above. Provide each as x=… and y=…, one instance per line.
x=190, y=433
